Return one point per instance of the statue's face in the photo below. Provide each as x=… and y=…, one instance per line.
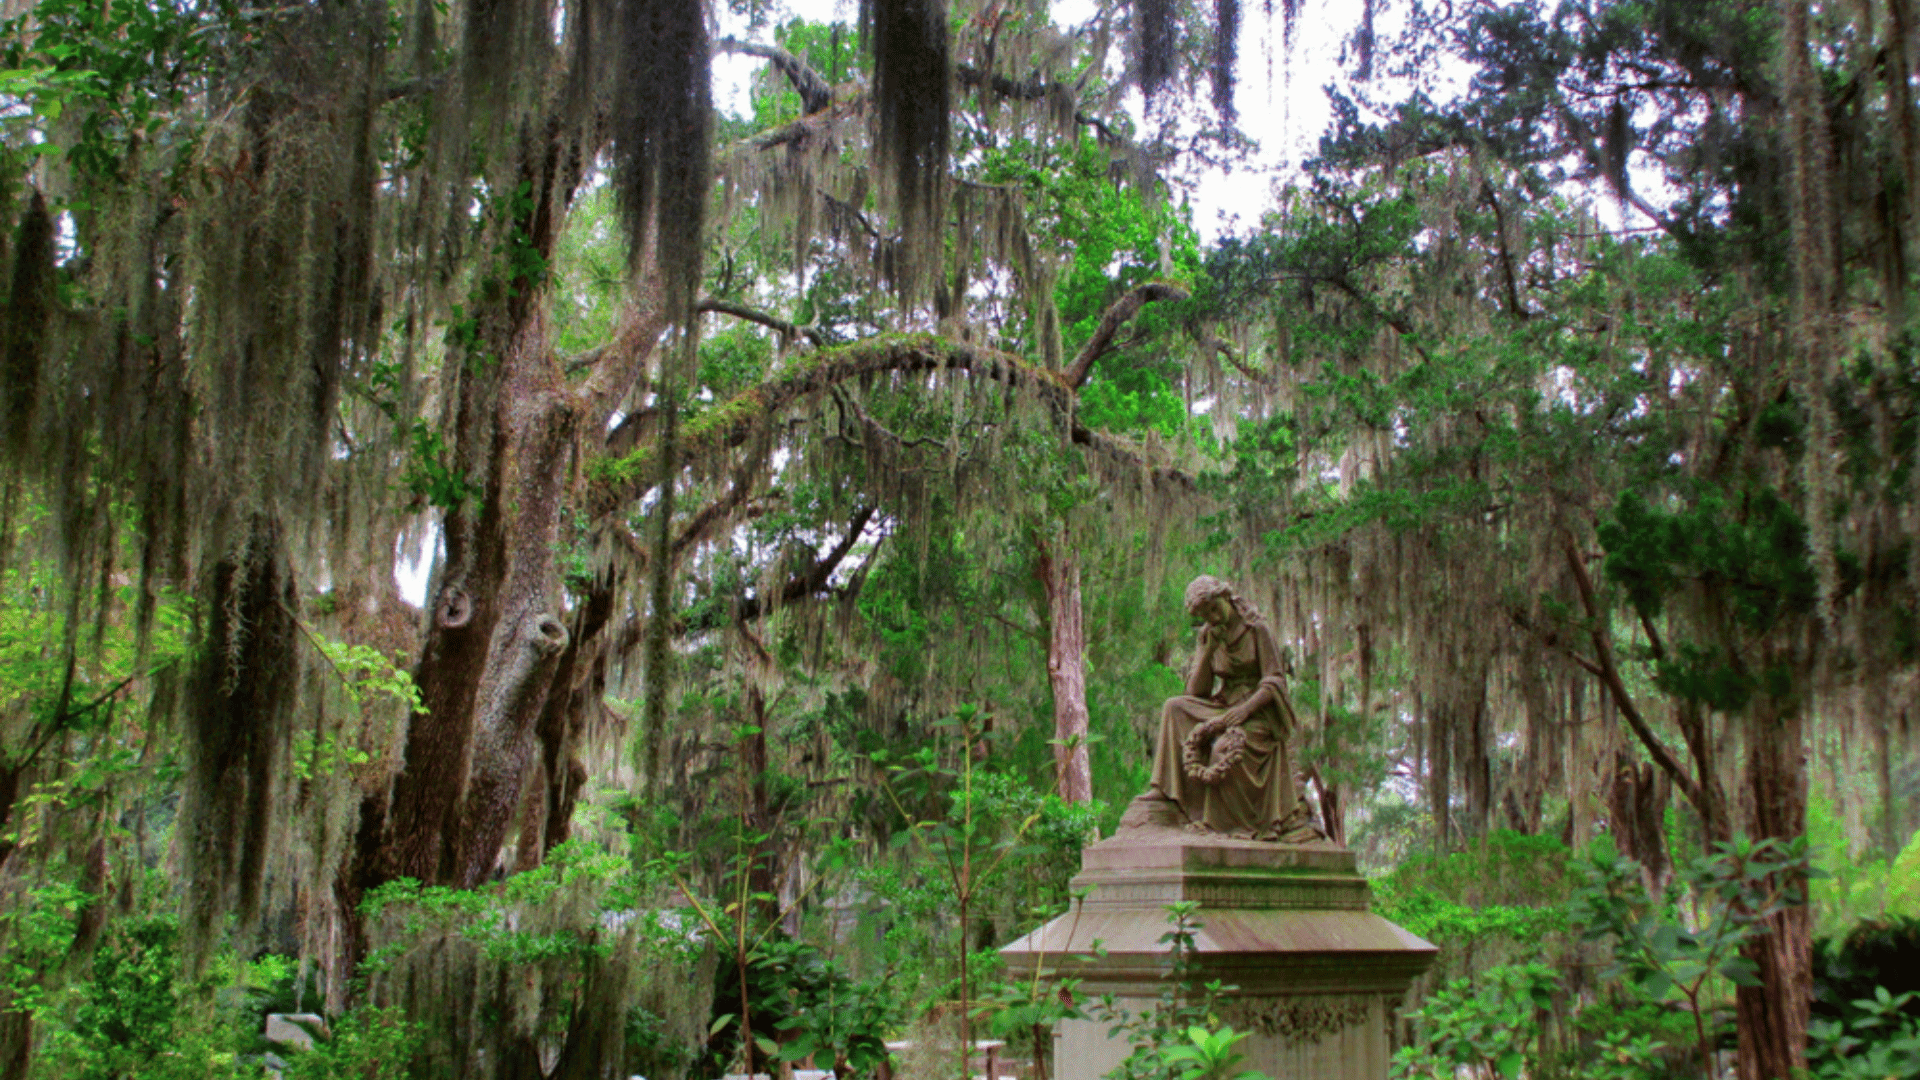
x=1215, y=611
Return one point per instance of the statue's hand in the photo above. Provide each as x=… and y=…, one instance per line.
x=1236, y=715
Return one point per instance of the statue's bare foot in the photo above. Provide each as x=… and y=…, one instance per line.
x=1200, y=828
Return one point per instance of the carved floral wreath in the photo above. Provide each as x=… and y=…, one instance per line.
x=1213, y=748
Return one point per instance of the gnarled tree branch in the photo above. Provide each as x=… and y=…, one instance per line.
x=814, y=579
x=1116, y=316
x=614, y=482
x=815, y=93
x=778, y=325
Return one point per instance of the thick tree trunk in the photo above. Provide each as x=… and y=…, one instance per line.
x=1333, y=809
x=16, y=1044
x=1067, y=670
x=495, y=639
x=579, y=684
x=1772, y=1017
x=9, y=794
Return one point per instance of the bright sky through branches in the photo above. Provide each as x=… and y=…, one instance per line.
x=1281, y=96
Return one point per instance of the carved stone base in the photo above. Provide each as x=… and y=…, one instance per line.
x=1317, y=975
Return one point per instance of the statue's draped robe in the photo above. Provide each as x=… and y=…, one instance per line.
x=1258, y=798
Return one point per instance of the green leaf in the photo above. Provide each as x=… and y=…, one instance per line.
x=1509, y=1064
x=1656, y=984
x=1740, y=971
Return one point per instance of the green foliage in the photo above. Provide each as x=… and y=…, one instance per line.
x=429, y=473
x=821, y=1012
x=1489, y=1027
x=1873, y=955
x=1115, y=240
x=113, y=70
x=1659, y=953
x=366, y=672
x=53, y=692
x=1879, y=1039
x=1510, y=887
x=1735, y=888
x=1753, y=547
x=369, y=1043
x=492, y=918
x=832, y=49
x=38, y=935
x=1440, y=920
x=136, y=1011
x=1180, y=1036
x=1903, y=880
x=1853, y=887
x=1208, y=1055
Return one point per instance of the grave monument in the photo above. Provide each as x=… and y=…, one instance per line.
x=1284, y=915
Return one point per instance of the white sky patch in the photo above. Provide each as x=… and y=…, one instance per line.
x=412, y=568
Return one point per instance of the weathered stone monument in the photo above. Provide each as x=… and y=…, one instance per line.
x=1284, y=915
x=1316, y=976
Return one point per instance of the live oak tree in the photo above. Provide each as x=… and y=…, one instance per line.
x=265, y=263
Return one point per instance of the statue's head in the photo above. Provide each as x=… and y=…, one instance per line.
x=1203, y=591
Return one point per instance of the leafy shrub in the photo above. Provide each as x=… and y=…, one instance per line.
x=1878, y=1038
x=1181, y=1036
x=368, y=1044
x=1489, y=1027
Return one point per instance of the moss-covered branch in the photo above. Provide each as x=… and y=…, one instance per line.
x=617, y=481
x=815, y=93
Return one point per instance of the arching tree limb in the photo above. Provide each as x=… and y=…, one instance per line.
x=617, y=481
x=1116, y=316
x=814, y=579
x=778, y=325
x=815, y=93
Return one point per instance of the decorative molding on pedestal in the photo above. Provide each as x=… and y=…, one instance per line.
x=1316, y=973
x=1304, y=1018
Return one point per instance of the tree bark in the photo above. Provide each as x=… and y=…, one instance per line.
x=1440, y=771
x=1636, y=815
x=1066, y=670
x=1772, y=1016
x=496, y=648
x=1477, y=760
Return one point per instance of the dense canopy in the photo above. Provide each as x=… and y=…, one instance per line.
x=803, y=490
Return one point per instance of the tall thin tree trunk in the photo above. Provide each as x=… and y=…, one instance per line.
x=1772, y=1016
x=1067, y=670
x=1891, y=840
x=1477, y=759
x=1440, y=771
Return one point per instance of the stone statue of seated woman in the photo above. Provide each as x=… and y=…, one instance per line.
x=1223, y=761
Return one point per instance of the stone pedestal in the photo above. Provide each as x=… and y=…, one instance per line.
x=1317, y=975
